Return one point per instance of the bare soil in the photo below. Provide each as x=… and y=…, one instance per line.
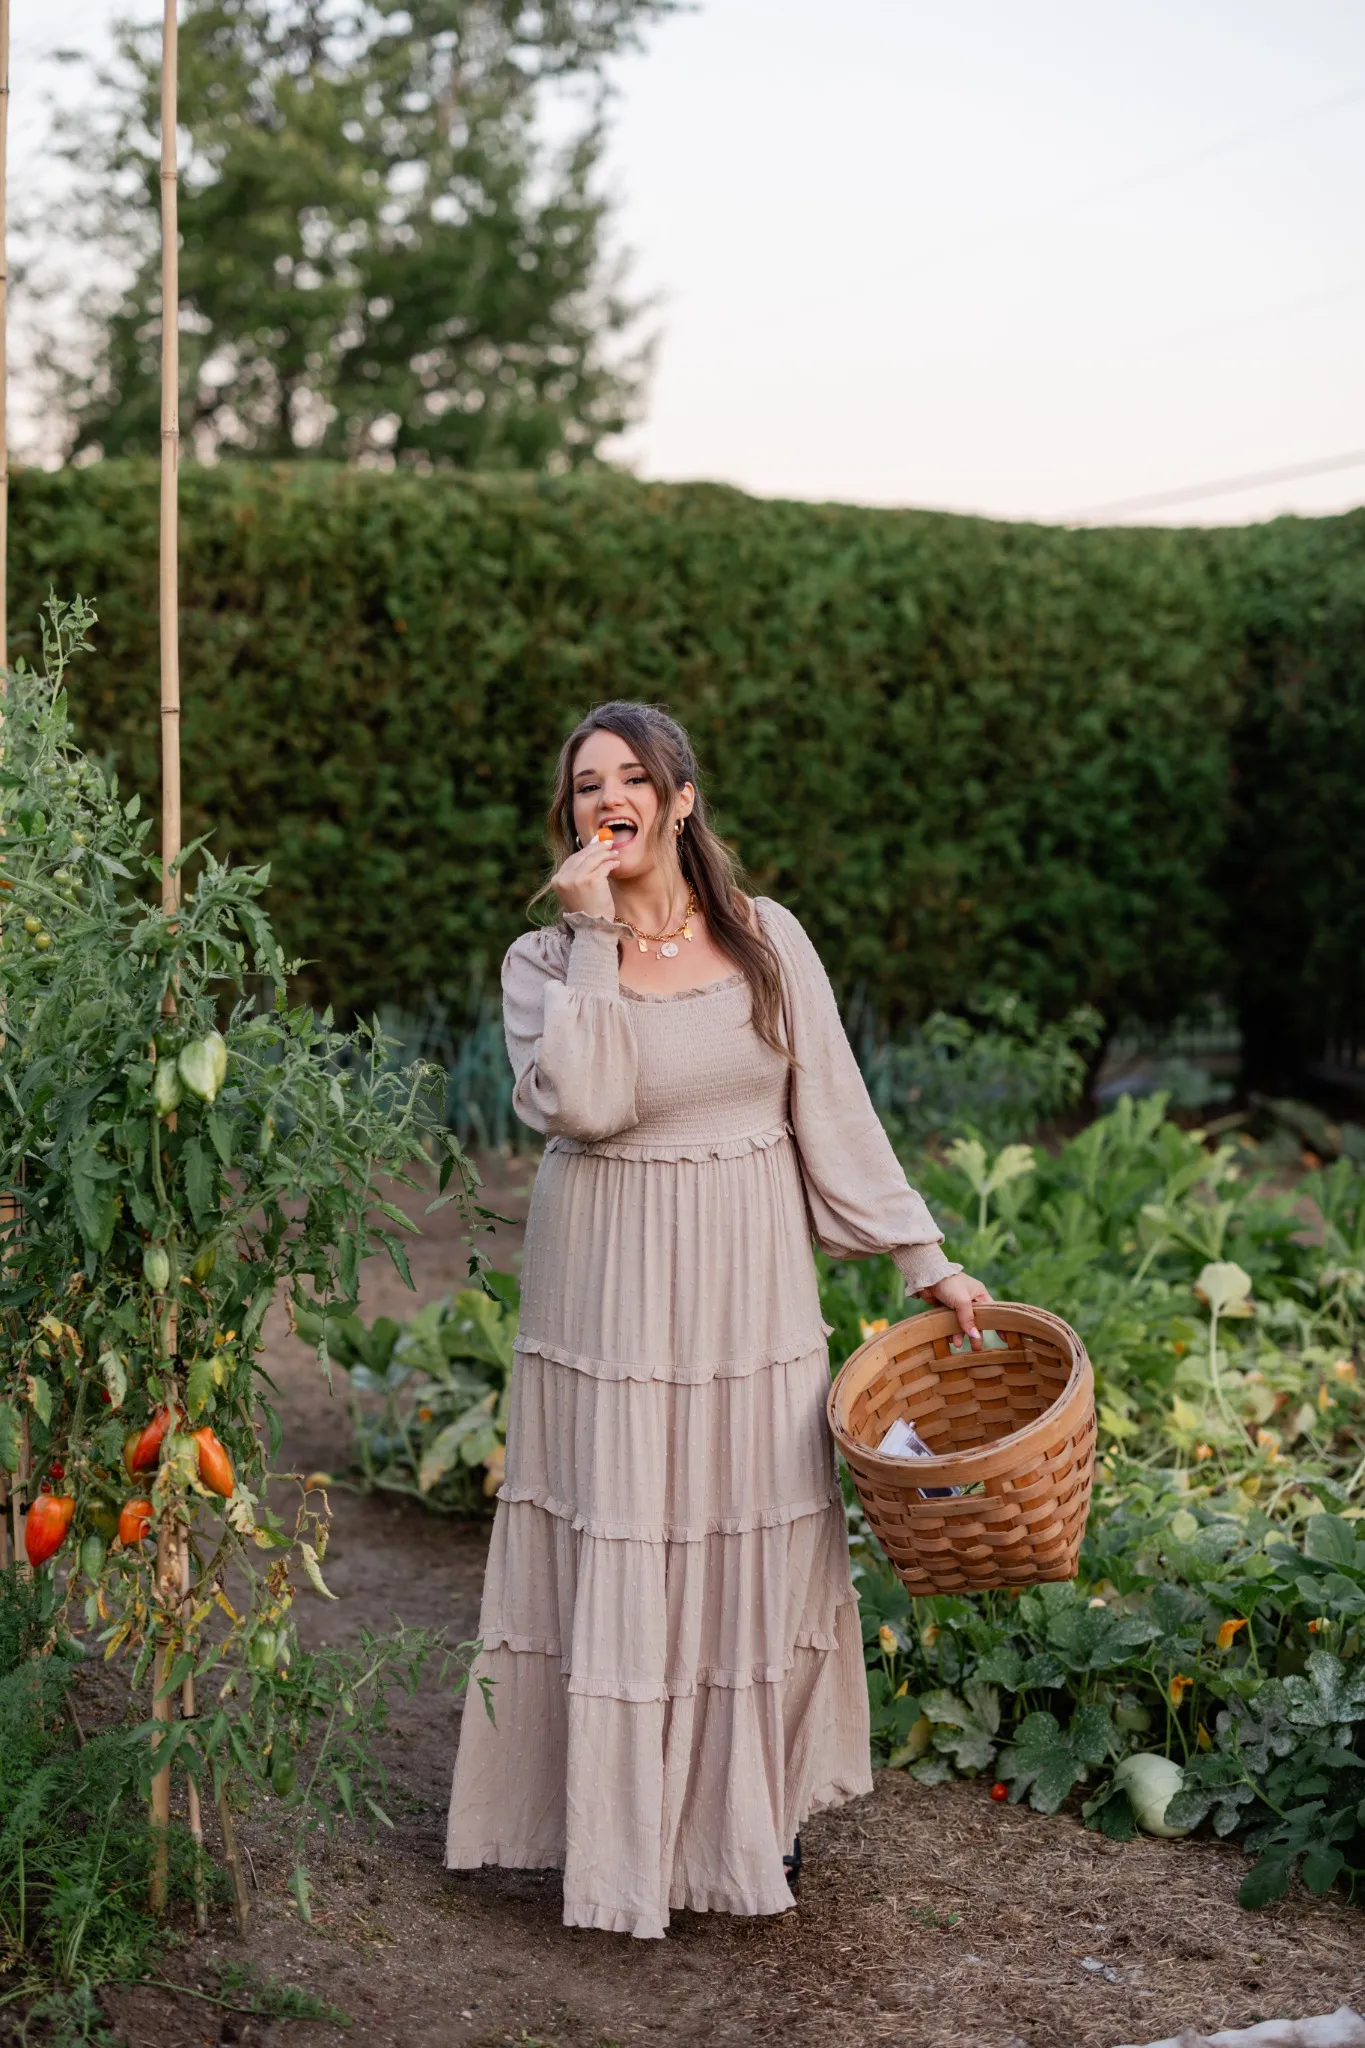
x=928, y=1918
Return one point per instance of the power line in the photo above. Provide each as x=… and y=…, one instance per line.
x=1169, y=167
x=1191, y=492
x=1241, y=140
x=1311, y=302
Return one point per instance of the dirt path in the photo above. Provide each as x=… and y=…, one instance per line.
x=928, y=1918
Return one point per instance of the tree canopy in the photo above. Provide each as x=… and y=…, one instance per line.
x=382, y=259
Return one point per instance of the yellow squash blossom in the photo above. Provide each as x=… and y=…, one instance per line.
x=1178, y=1688
x=1227, y=1630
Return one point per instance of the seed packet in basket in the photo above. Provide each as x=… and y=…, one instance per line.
x=903, y=1440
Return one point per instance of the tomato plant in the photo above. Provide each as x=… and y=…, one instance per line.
x=179, y=1143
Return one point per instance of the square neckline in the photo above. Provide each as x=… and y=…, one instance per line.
x=679, y=995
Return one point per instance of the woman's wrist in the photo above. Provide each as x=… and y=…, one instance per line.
x=594, y=954
x=922, y=1266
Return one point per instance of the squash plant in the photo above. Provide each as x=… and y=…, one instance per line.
x=181, y=1144
x=1219, y=1615
x=443, y=1383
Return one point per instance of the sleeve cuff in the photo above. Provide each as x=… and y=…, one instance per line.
x=922, y=1265
x=594, y=962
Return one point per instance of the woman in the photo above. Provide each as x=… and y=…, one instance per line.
x=668, y=1619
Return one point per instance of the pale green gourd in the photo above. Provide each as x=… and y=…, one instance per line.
x=1151, y=1782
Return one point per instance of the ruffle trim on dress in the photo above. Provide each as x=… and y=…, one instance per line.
x=681, y=995
x=584, y=921
x=652, y=1692
x=644, y=1927
x=626, y=1532
x=691, y=1374
x=673, y=1152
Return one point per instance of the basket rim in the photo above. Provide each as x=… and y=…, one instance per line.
x=1079, y=1381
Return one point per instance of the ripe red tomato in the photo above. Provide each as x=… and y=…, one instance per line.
x=45, y=1526
x=142, y=1447
x=215, y=1466
x=1000, y=1791
x=135, y=1519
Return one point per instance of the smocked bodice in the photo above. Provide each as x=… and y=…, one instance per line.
x=632, y=1076
x=706, y=1086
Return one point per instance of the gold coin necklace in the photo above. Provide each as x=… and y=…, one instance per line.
x=667, y=942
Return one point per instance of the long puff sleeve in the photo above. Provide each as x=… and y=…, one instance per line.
x=859, y=1199
x=568, y=1034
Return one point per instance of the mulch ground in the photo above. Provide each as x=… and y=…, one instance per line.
x=927, y=1917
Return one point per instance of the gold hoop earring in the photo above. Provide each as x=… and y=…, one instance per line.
x=578, y=842
x=677, y=829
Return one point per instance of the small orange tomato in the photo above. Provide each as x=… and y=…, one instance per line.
x=999, y=1792
x=215, y=1466
x=604, y=834
x=135, y=1519
x=46, y=1525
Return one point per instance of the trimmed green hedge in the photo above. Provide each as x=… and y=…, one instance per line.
x=963, y=751
x=1293, y=875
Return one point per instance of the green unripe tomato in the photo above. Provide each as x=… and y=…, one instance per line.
x=42, y=941
x=156, y=1268
x=284, y=1771
x=203, y=1266
x=261, y=1651
x=92, y=1555
x=203, y=1065
x=166, y=1088
x=33, y=925
x=104, y=1519
x=62, y=876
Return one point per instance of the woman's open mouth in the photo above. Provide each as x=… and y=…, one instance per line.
x=622, y=830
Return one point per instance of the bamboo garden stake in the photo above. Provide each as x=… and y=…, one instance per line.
x=4, y=350
x=168, y=1554
x=8, y=1206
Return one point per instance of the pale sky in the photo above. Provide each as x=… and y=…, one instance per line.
x=1021, y=257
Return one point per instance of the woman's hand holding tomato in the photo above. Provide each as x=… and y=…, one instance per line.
x=584, y=881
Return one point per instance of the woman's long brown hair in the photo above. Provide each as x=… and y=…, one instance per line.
x=664, y=751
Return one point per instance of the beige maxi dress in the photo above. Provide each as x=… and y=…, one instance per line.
x=668, y=1619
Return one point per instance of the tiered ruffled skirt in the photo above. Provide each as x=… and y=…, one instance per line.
x=668, y=1620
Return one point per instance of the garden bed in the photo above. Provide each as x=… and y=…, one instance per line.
x=929, y=1915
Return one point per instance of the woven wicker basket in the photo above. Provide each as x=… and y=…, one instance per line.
x=1013, y=1426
